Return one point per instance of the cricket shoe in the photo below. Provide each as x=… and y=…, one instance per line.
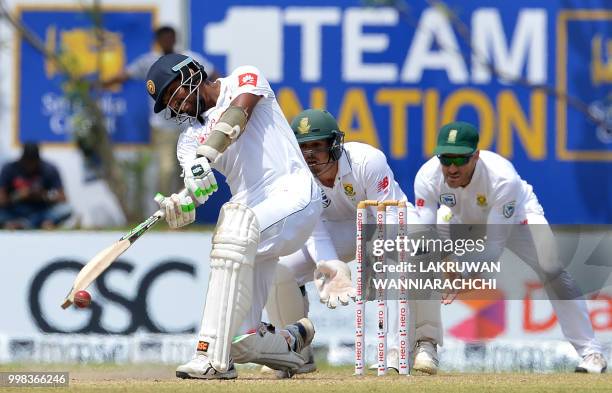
x=426, y=358
x=200, y=368
x=299, y=335
x=392, y=361
x=592, y=363
x=303, y=332
x=308, y=367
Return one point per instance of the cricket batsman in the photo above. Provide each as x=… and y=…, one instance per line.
x=474, y=186
x=347, y=174
x=238, y=128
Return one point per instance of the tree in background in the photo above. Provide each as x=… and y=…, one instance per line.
x=90, y=133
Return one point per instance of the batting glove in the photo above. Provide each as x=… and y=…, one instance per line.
x=179, y=210
x=200, y=179
x=333, y=281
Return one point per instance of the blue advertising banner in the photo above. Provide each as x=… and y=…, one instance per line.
x=44, y=113
x=534, y=77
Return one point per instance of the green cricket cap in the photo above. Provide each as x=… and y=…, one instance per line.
x=457, y=137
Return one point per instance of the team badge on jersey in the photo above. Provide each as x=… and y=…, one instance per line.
x=509, y=208
x=383, y=184
x=481, y=200
x=326, y=201
x=448, y=200
x=349, y=191
x=247, y=79
x=420, y=202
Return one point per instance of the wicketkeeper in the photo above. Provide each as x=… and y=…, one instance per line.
x=347, y=174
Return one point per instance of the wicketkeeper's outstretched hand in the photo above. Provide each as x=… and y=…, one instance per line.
x=333, y=281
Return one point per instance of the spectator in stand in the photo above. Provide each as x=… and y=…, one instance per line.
x=31, y=193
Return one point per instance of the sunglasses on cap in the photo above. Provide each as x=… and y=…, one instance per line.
x=457, y=161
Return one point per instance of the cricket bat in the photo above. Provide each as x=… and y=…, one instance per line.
x=99, y=263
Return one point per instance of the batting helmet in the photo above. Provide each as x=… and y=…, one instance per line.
x=165, y=70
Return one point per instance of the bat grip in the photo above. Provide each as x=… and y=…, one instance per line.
x=159, y=198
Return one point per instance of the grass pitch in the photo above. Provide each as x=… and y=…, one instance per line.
x=157, y=378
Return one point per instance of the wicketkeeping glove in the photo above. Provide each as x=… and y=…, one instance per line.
x=200, y=179
x=333, y=281
x=180, y=210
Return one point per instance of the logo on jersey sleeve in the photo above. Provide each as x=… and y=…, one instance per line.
x=481, y=200
x=248, y=78
x=509, y=208
x=448, y=200
x=383, y=184
x=420, y=202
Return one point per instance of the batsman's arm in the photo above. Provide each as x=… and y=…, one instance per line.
x=230, y=126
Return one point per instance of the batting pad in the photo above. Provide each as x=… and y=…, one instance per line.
x=230, y=285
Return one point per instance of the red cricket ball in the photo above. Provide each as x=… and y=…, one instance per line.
x=82, y=299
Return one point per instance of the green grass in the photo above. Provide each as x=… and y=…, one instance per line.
x=159, y=378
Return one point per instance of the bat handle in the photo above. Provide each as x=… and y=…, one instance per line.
x=159, y=197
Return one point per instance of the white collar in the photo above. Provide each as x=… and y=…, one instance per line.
x=222, y=92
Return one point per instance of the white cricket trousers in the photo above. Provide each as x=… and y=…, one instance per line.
x=286, y=218
x=533, y=242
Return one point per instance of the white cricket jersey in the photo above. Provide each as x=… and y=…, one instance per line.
x=363, y=173
x=267, y=148
x=496, y=194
